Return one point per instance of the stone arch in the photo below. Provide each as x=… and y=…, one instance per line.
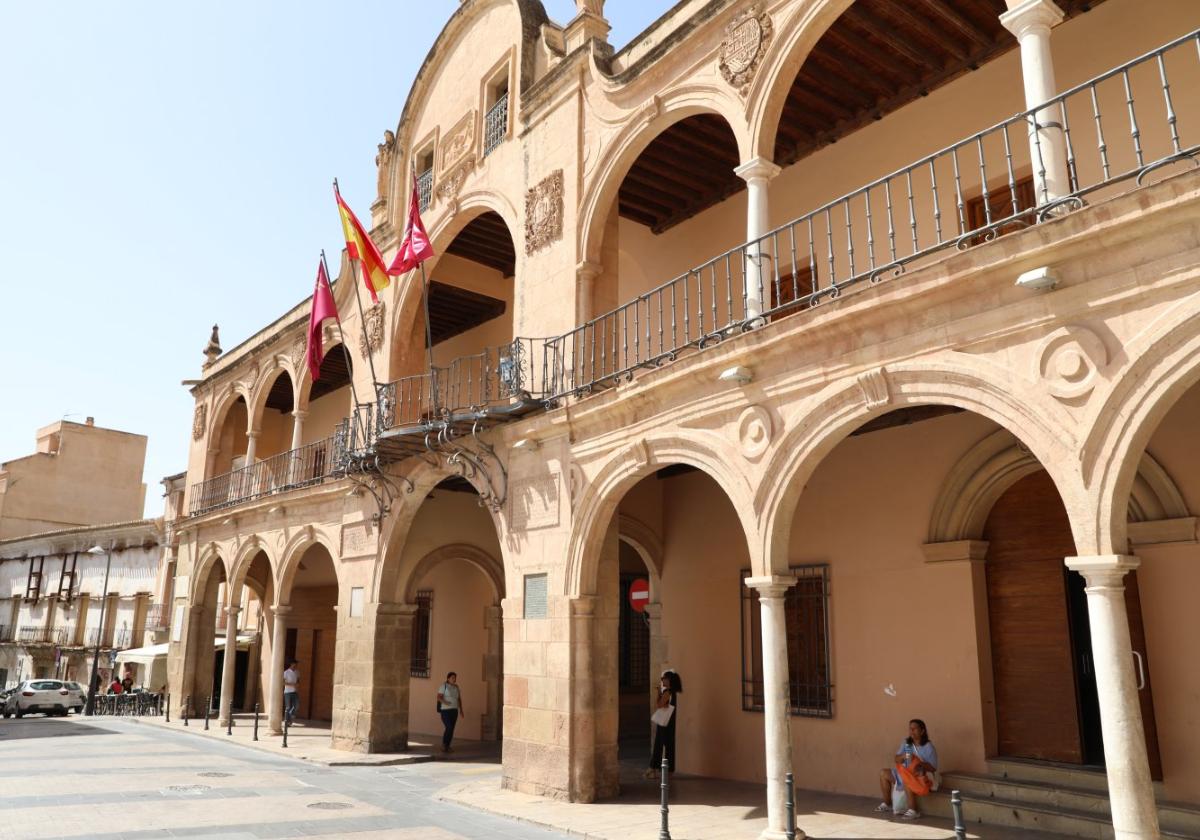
x=293, y=552
x=396, y=527
x=262, y=389
x=795, y=36
x=642, y=128
x=209, y=557
x=998, y=461
x=828, y=417
x=600, y=498
x=223, y=404
x=642, y=539
x=1166, y=365
x=304, y=382
x=491, y=568
x=244, y=559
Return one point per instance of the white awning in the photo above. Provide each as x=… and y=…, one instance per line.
x=147, y=655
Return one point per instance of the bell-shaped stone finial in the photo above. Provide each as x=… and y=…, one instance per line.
x=213, y=350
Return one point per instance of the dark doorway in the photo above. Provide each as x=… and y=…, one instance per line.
x=633, y=664
x=241, y=664
x=1047, y=705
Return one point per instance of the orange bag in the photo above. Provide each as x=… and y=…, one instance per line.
x=920, y=785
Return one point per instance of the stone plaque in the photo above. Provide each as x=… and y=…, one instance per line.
x=746, y=41
x=458, y=142
x=537, y=590
x=534, y=503
x=355, y=539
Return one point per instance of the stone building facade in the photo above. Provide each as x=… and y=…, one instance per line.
x=885, y=391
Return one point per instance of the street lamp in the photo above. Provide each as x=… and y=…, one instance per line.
x=96, y=551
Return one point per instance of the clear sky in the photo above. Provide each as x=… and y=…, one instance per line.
x=165, y=166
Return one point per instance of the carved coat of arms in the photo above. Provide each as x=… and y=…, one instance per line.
x=746, y=41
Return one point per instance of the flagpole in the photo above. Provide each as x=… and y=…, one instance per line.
x=425, y=305
x=361, y=314
x=346, y=354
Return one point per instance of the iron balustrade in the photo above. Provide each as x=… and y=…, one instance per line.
x=495, y=124
x=425, y=189
x=115, y=638
x=44, y=635
x=157, y=617
x=289, y=470
x=6, y=633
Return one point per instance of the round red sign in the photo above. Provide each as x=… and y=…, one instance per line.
x=639, y=594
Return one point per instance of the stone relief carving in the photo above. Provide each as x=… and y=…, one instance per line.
x=754, y=431
x=299, y=346
x=746, y=40
x=451, y=183
x=534, y=502
x=383, y=160
x=199, y=421
x=874, y=387
x=370, y=338
x=458, y=142
x=356, y=539
x=544, y=213
x=1070, y=361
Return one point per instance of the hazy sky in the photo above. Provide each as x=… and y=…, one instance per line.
x=165, y=166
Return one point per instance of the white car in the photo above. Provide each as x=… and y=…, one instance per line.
x=52, y=697
x=78, y=695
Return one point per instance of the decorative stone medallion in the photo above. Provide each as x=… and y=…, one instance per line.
x=299, y=349
x=451, y=182
x=745, y=44
x=544, y=213
x=754, y=430
x=199, y=421
x=1070, y=360
x=874, y=388
x=370, y=339
x=458, y=142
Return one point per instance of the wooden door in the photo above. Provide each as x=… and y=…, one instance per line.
x=1137, y=638
x=1037, y=710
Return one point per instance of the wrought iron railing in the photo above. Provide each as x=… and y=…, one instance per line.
x=115, y=638
x=6, y=633
x=301, y=467
x=45, y=635
x=495, y=125
x=157, y=617
x=425, y=189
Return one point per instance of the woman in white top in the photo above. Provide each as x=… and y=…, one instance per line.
x=449, y=705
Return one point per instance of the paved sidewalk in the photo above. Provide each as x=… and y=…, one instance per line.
x=707, y=808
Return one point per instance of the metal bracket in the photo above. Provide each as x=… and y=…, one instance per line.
x=472, y=463
x=368, y=474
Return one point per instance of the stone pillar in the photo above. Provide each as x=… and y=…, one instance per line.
x=583, y=702
x=251, y=446
x=227, y=666
x=757, y=174
x=1030, y=21
x=275, y=681
x=1130, y=790
x=296, y=466
x=585, y=285
x=371, y=689
x=493, y=673
x=777, y=701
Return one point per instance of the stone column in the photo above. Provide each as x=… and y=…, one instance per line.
x=585, y=283
x=493, y=673
x=275, y=681
x=757, y=173
x=1030, y=21
x=296, y=467
x=1130, y=790
x=227, y=667
x=777, y=701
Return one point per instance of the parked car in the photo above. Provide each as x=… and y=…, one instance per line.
x=50, y=697
x=78, y=695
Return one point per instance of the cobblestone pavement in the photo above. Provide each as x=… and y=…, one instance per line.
x=111, y=779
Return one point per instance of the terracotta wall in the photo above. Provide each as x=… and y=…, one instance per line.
x=458, y=641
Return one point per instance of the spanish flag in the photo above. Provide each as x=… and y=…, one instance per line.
x=360, y=247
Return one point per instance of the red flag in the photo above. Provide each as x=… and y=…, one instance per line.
x=323, y=308
x=415, y=247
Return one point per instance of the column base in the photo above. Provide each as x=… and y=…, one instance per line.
x=772, y=834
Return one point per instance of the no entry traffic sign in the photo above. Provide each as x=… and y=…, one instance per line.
x=639, y=594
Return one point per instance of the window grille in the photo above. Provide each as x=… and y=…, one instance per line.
x=536, y=593
x=806, y=609
x=425, y=188
x=633, y=633
x=495, y=124
x=422, y=622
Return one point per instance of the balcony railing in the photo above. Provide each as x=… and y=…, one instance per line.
x=45, y=635
x=425, y=189
x=1086, y=144
x=118, y=638
x=301, y=467
x=6, y=633
x=495, y=125
x=157, y=617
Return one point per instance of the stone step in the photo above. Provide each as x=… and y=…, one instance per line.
x=1050, y=772
x=1049, y=807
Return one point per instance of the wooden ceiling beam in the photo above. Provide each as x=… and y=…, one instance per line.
x=958, y=21
x=690, y=186
x=807, y=96
x=829, y=81
x=928, y=29
x=684, y=166
x=639, y=216
x=889, y=35
x=649, y=200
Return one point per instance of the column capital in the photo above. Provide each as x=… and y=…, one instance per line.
x=253, y=434
x=771, y=586
x=1104, y=569
x=1031, y=15
x=300, y=413
x=233, y=610
x=588, y=270
x=281, y=610
x=584, y=606
x=758, y=168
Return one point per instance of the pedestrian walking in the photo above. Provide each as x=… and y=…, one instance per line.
x=449, y=706
x=291, y=691
x=664, y=718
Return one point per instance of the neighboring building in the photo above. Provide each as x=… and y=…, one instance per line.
x=80, y=475
x=56, y=606
x=850, y=457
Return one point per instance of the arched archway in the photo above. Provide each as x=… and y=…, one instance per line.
x=273, y=414
x=229, y=440
x=208, y=601
x=308, y=588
